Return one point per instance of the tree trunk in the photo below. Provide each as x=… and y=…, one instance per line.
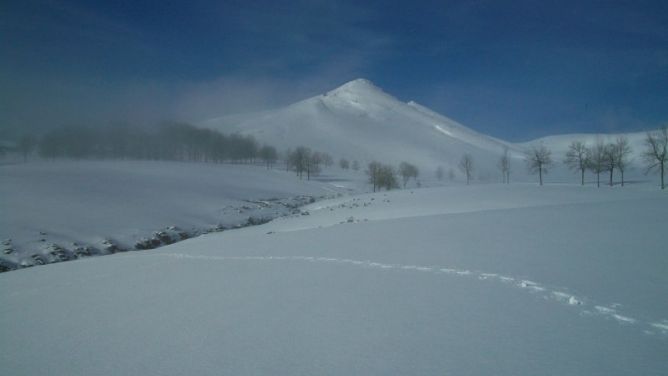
x=622, y=173
x=663, y=185
x=611, y=171
x=582, y=177
x=540, y=175
x=598, y=180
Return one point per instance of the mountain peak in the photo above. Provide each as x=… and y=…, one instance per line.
x=358, y=86
x=359, y=90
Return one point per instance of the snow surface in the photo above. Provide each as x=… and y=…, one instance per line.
x=61, y=203
x=519, y=280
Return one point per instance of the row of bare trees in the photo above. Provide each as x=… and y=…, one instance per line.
x=167, y=141
x=345, y=164
x=303, y=160
x=385, y=176
x=599, y=158
x=603, y=157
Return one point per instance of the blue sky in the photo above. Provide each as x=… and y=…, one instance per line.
x=513, y=69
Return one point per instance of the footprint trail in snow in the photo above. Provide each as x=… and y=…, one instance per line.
x=608, y=312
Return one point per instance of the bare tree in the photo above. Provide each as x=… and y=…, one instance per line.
x=269, y=155
x=538, y=159
x=381, y=176
x=504, y=165
x=373, y=171
x=300, y=160
x=623, y=151
x=327, y=160
x=407, y=171
x=26, y=145
x=597, y=160
x=288, y=159
x=466, y=166
x=655, y=154
x=440, y=173
x=577, y=158
x=344, y=164
x=610, y=154
x=356, y=165
x=313, y=164
x=388, y=177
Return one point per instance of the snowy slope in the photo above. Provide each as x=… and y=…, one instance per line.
x=51, y=205
x=360, y=121
x=464, y=281
x=559, y=143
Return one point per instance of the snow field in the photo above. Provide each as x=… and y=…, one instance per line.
x=50, y=210
x=453, y=280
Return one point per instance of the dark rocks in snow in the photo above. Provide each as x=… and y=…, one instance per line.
x=144, y=244
x=254, y=221
x=256, y=212
x=169, y=235
x=111, y=247
x=7, y=247
x=38, y=259
x=85, y=251
x=4, y=268
x=59, y=253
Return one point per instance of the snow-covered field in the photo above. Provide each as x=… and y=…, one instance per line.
x=444, y=280
x=61, y=210
x=479, y=280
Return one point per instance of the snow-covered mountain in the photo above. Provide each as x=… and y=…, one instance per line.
x=360, y=121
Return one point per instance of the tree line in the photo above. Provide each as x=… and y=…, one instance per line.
x=599, y=158
x=602, y=157
x=386, y=176
x=169, y=141
x=183, y=142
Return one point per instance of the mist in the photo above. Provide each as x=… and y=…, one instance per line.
x=36, y=105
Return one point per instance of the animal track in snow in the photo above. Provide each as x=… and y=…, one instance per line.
x=561, y=297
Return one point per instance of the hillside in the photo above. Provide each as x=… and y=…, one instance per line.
x=57, y=211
